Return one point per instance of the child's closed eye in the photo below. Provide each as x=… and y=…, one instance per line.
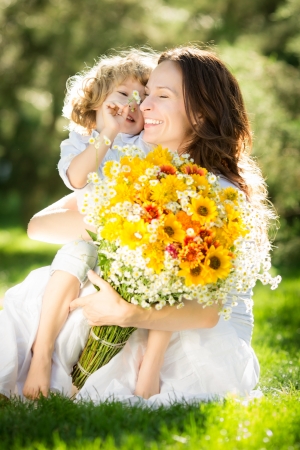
x=123, y=93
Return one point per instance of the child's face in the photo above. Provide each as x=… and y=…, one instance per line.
x=134, y=123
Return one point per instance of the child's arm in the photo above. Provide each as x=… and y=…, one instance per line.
x=59, y=223
x=148, y=382
x=112, y=115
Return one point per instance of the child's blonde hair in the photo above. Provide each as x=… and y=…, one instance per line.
x=87, y=90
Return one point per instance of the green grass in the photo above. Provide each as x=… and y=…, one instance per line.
x=270, y=423
x=19, y=255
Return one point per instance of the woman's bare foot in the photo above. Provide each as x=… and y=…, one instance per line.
x=38, y=379
x=148, y=380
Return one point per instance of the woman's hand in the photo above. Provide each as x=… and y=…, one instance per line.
x=104, y=307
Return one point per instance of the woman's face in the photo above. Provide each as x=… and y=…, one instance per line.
x=166, y=122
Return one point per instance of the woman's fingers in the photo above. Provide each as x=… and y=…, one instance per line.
x=79, y=303
x=98, y=281
x=84, y=301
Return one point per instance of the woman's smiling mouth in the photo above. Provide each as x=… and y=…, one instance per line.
x=151, y=122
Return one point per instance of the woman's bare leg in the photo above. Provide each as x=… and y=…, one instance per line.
x=148, y=377
x=62, y=288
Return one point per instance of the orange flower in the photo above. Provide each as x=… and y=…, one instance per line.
x=193, y=252
x=152, y=211
x=191, y=169
x=168, y=169
x=187, y=222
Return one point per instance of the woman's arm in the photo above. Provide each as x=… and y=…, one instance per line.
x=106, y=307
x=59, y=223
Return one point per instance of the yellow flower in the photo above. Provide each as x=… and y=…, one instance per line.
x=137, y=166
x=201, y=181
x=134, y=234
x=159, y=156
x=192, y=274
x=204, y=210
x=165, y=191
x=123, y=192
x=229, y=193
x=107, y=168
x=233, y=228
x=143, y=195
x=171, y=231
x=111, y=229
x=156, y=252
x=217, y=264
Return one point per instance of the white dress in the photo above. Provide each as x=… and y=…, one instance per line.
x=200, y=364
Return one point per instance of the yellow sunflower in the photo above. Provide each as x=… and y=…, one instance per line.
x=217, y=264
x=159, y=156
x=134, y=234
x=229, y=193
x=192, y=274
x=204, y=210
x=171, y=231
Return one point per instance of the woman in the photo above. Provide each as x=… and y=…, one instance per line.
x=193, y=105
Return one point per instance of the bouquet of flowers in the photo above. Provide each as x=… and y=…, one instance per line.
x=167, y=233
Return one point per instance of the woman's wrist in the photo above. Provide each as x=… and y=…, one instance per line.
x=133, y=315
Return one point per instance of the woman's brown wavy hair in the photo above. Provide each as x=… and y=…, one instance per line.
x=221, y=140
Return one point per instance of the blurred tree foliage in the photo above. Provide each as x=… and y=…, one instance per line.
x=42, y=43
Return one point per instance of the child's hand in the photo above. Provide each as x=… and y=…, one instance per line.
x=111, y=116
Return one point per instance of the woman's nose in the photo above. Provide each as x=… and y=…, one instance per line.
x=146, y=104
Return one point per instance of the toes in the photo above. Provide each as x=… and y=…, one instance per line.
x=44, y=391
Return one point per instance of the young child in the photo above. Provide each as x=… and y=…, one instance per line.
x=97, y=106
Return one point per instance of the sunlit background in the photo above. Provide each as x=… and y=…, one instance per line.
x=43, y=42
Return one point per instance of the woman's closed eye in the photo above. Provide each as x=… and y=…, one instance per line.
x=160, y=96
x=123, y=93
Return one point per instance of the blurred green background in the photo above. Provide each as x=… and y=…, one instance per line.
x=42, y=43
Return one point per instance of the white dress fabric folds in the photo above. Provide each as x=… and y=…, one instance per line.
x=199, y=365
